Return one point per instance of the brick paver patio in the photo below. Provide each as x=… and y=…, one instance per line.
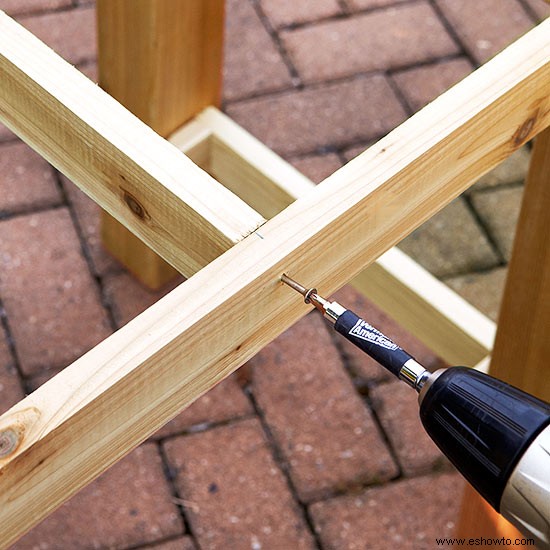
x=309, y=445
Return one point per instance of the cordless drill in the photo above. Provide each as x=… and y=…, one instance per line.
x=496, y=435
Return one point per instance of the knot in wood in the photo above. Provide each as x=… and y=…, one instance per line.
x=523, y=132
x=135, y=206
x=9, y=441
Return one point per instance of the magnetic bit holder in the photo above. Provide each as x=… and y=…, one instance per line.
x=375, y=344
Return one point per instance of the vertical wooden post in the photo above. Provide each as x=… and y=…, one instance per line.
x=522, y=344
x=162, y=59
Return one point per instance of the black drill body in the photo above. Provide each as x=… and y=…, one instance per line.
x=481, y=424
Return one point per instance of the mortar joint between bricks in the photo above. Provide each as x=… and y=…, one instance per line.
x=529, y=11
x=204, y=427
x=176, y=497
x=12, y=349
x=105, y=303
x=294, y=75
x=285, y=468
x=368, y=403
x=453, y=34
x=485, y=229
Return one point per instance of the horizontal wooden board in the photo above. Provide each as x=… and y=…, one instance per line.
x=135, y=175
x=430, y=310
x=80, y=422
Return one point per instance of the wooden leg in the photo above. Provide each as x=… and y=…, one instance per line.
x=162, y=59
x=522, y=345
x=478, y=519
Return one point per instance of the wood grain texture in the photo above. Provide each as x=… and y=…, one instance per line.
x=98, y=409
x=146, y=183
x=478, y=519
x=139, y=259
x=522, y=344
x=429, y=309
x=162, y=59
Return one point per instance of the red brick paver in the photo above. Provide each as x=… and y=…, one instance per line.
x=303, y=121
x=11, y=390
x=325, y=432
x=383, y=39
x=408, y=515
x=397, y=407
x=129, y=504
x=50, y=298
x=282, y=13
x=252, y=62
x=540, y=8
x=90, y=69
x=317, y=167
x=226, y=401
x=486, y=27
x=6, y=134
x=233, y=491
x=26, y=179
x=423, y=84
x=181, y=543
x=70, y=33
x=17, y=7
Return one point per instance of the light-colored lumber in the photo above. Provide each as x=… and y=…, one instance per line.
x=478, y=519
x=162, y=59
x=242, y=163
x=90, y=415
x=522, y=344
x=430, y=310
x=146, y=183
x=450, y=326
x=140, y=260
x=483, y=365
